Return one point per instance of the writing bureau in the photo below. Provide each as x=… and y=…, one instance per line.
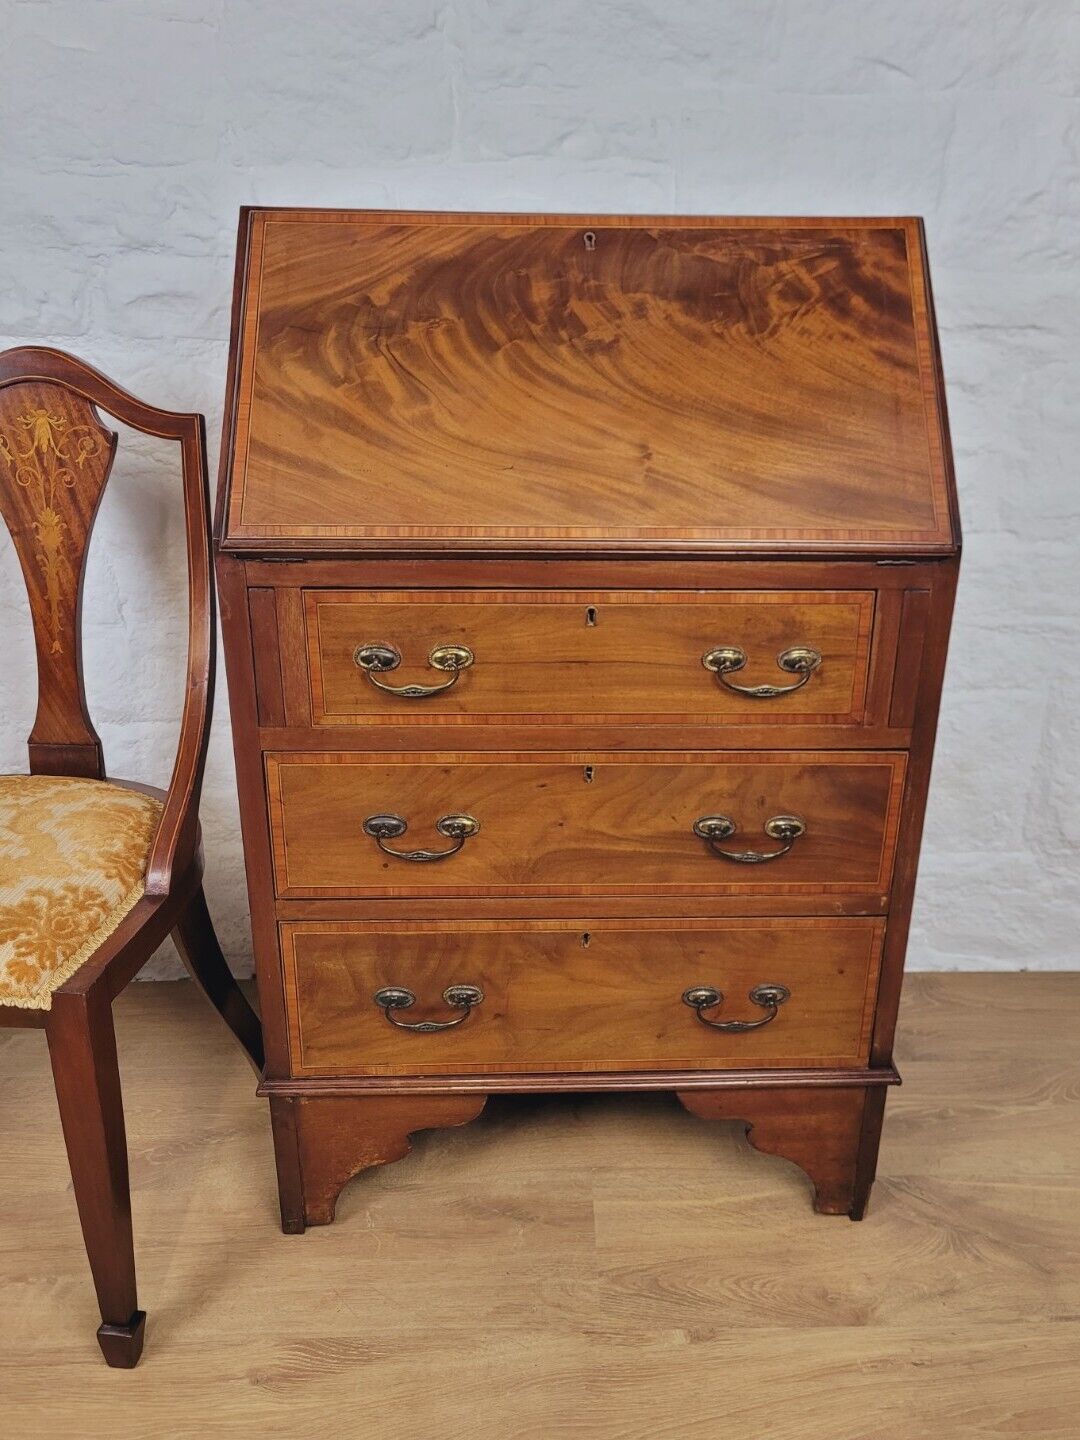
x=586, y=585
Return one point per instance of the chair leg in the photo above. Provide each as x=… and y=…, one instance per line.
x=199, y=949
x=82, y=1048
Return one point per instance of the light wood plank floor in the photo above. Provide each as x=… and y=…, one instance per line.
x=601, y=1267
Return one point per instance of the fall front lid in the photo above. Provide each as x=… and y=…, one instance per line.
x=536, y=383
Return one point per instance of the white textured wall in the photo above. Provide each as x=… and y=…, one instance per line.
x=133, y=131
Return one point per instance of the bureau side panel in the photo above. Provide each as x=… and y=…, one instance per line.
x=243, y=706
x=909, y=839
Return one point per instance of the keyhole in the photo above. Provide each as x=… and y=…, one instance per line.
x=590, y=615
x=588, y=774
x=590, y=240
x=585, y=938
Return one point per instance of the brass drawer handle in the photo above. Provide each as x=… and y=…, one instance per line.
x=389, y=827
x=787, y=828
x=798, y=660
x=460, y=997
x=374, y=660
x=703, y=997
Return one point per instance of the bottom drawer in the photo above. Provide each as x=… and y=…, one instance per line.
x=577, y=995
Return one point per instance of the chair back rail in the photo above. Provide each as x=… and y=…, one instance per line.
x=55, y=460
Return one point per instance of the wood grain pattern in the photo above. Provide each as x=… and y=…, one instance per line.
x=547, y=656
x=417, y=379
x=596, y=995
x=583, y=823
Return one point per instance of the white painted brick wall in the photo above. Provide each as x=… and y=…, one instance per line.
x=132, y=132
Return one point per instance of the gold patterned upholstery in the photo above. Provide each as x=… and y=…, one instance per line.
x=73, y=857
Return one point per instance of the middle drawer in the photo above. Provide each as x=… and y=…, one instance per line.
x=363, y=824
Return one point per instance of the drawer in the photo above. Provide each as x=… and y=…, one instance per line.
x=550, y=656
x=578, y=824
x=578, y=995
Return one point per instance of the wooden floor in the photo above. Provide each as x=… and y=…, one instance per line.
x=602, y=1267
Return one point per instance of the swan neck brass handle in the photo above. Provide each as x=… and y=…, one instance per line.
x=392, y=998
x=457, y=828
x=798, y=660
x=375, y=660
x=714, y=828
x=705, y=997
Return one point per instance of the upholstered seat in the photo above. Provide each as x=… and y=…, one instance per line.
x=73, y=857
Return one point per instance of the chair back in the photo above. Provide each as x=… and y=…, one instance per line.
x=55, y=459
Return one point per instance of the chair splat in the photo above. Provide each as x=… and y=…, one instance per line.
x=55, y=458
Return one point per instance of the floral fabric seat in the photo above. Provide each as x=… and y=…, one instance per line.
x=73, y=856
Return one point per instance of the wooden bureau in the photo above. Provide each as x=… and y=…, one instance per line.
x=586, y=586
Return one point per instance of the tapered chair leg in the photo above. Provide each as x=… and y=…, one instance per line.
x=82, y=1048
x=199, y=949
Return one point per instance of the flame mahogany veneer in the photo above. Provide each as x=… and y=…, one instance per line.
x=527, y=472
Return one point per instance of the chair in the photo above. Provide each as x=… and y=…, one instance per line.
x=96, y=872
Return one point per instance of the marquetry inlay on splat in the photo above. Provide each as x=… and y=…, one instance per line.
x=55, y=457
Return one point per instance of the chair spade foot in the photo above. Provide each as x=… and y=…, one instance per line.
x=122, y=1344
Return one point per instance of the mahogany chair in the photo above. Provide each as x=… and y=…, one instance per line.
x=96, y=872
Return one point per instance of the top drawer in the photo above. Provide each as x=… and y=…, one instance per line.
x=783, y=657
